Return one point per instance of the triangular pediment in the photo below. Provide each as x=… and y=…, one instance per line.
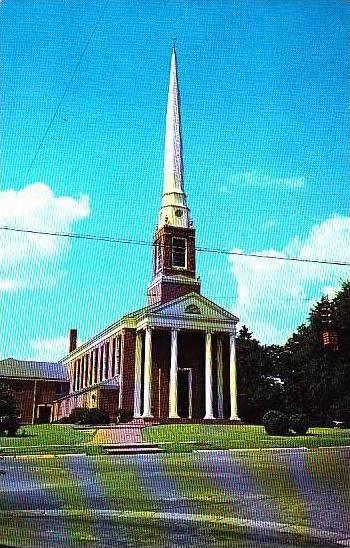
x=193, y=306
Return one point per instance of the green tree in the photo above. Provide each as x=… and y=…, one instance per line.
x=316, y=377
x=258, y=389
x=8, y=411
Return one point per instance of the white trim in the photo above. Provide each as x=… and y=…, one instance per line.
x=44, y=405
x=176, y=267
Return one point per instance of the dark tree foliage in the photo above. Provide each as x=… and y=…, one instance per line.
x=299, y=424
x=8, y=405
x=317, y=377
x=9, y=422
x=304, y=375
x=276, y=423
x=258, y=389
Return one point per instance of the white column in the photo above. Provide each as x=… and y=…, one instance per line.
x=208, y=378
x=100, y=362
x=105, y=364
x=138, y=366
x=110, y=357
x=91, y=370
x=173, y=377
x=220, y=379
x=117, y=355
x=81, y=369
x=233, y=378
x=147, y=389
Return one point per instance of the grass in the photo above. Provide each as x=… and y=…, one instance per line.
x=62, y=439
x=48, y=438
x=207, y=436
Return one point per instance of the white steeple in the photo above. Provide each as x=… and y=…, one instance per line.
x=174, y=210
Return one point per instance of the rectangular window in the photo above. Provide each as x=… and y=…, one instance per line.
x=179, y=249
x=159, y=257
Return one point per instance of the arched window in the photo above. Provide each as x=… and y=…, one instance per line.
x=192, y=309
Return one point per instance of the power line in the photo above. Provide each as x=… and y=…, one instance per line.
x=67, y=87
x=130, y=241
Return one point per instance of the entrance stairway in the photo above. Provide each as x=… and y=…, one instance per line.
x=132, y=448
x=124, y=439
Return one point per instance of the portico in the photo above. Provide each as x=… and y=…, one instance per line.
x=185, y=362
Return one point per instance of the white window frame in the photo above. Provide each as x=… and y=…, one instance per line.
x=159, y=257
x=172, y=253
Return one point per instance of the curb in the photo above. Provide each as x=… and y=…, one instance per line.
x=339, y=538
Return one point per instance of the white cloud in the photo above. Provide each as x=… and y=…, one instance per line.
x=261, y=180
x=273, y=296
x=49, y=350
x=24, y=258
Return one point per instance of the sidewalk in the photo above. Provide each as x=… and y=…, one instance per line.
x=121, y=434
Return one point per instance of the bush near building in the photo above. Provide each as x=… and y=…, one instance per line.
x=85, y=416
x=276, y=423
x=299, y=424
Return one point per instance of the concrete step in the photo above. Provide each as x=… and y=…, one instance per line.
x=129, y=444
x=133, y=450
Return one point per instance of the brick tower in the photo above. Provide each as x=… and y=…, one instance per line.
x=174, y=264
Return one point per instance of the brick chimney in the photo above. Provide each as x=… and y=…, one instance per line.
x=73, y=333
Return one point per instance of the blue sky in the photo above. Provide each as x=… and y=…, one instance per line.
x=264, y=88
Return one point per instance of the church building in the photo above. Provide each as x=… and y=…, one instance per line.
x=175, y=359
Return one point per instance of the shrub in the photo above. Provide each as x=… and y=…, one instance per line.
x=82, y=415
x=276, y=423
x=79, y=416
x=97, y=416
x=124, y=416
x=299, y=424
x=9, y=424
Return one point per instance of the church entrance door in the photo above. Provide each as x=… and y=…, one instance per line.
x=184, y=391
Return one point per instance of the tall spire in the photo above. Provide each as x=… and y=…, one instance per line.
x=174, y=209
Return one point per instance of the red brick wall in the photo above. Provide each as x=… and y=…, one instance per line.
x=163, y=291
x=127, y=369
x=160, y=373
x=191, y=348
x=170, y=291
x=191, y=354
x=108, y=401
x=23, y=391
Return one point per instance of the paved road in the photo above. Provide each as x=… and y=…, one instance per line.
x=240, y=489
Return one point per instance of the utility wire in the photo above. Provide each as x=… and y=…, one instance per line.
x=130, y=241
x=67, y=87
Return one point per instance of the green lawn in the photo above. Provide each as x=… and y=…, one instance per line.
x=187, y=436
x=48, y=438
x=57, y=439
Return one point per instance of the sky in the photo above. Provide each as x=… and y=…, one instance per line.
x=265, y=102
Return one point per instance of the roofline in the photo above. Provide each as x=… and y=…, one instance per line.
x=152, y=308
x=115, y=325
x=26, y=378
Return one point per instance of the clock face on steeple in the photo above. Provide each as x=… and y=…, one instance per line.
x=179, y=213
